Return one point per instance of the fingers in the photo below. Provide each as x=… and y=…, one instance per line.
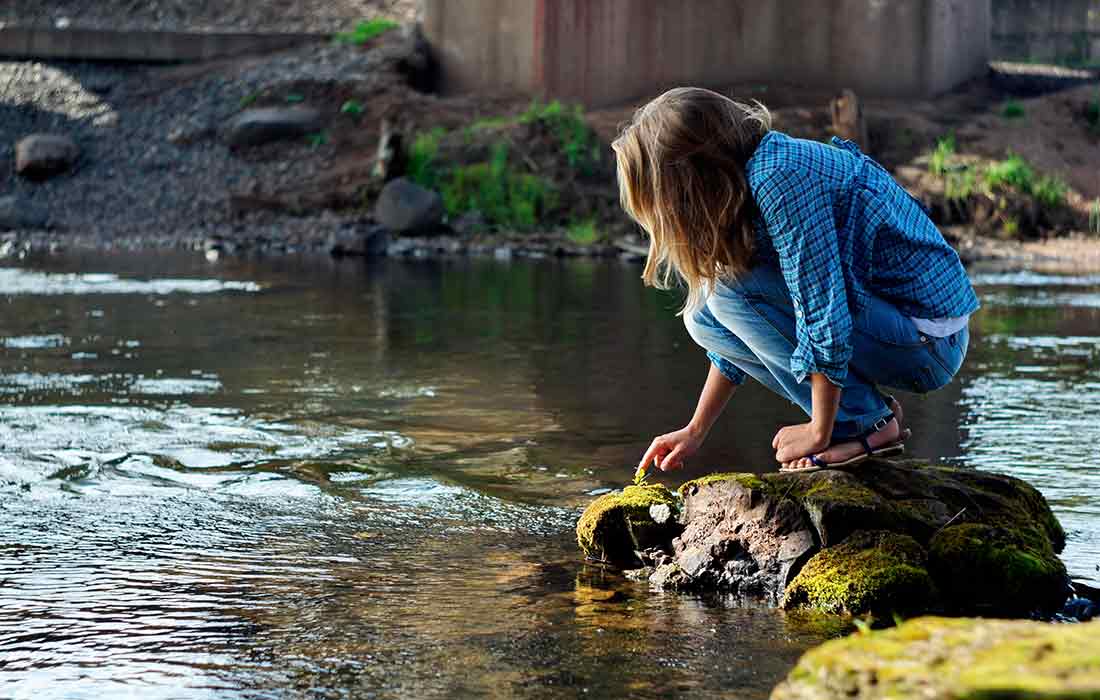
x=673, y=460
x=656, y=450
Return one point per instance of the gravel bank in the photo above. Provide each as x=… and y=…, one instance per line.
x=236, y=15
x=152, y=165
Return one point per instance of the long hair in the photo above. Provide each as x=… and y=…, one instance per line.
x=681, y=172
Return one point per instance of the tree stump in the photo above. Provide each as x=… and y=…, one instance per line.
x=848, y=121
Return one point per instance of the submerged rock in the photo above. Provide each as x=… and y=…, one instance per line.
x=619, y=525
x=933, y=657
x=881, y=538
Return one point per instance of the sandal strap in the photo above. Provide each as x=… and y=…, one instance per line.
x=866, y=445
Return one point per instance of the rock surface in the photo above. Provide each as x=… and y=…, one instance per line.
x=19, y=213
x=618, y=525
x=254, y=127
x=882, y=538
x=406, y=207
x=952, y=659
x=40, y=156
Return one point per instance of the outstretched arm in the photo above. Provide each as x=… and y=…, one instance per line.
x=671, y=449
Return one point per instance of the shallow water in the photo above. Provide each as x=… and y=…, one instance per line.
x=311, y=479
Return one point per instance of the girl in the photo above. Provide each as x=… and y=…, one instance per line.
x=807, y=267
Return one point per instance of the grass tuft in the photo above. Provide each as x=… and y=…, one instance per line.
x=365, y=31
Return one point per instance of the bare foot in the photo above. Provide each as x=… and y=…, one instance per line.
x=843, y=451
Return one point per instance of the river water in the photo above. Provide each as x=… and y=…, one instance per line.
x=309, y=479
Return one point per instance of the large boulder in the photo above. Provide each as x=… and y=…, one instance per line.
x=952, y=659
x=40, y=156
x=880, y=538
x=17, y=213
x=405, y=207
x=255, y=127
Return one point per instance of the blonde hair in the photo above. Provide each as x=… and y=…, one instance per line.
x=681, y=172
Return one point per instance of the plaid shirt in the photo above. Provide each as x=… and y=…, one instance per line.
x=843, y=230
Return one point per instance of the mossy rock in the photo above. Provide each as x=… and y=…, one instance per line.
x=876, y=572
x=953, y=659
x=619, y=523
x=997, y=571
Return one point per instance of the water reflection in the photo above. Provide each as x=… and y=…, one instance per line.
x=303, y=478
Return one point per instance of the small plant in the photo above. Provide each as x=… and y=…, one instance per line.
x=569, y=128
x=1094, y=216
x=1010, y=227
x=249, y=99
x=942, y=155
x=294, y=98
x=583, y=232
x=1010, y=172
x=365, y=31
x=1013, y=109
x=960, y=184
x=352, y=107
x=318, y=139
x=505, y=196
x=422, y=157
x=1050, y=191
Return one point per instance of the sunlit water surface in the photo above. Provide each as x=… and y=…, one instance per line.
x=312, y=479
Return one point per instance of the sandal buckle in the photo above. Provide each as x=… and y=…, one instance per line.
x=881, y=423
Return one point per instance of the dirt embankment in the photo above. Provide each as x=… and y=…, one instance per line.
x=160, y=165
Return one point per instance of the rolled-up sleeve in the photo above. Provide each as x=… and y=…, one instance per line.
x=798, y=215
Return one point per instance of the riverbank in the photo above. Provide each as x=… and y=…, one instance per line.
x=160, y=164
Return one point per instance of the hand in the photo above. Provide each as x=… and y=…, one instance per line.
x=671, y=449
x=797, y=441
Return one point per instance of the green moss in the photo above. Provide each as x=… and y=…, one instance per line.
x=617, y=523
x=365, y=31
x=873, y=572
x=963, y=659
x=996, y=570
x=748, y=480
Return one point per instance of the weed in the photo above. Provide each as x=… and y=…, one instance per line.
x=1013, y=109
x=960, y=184
x=1094, y=216
x=294, y=98
x=583, y=232
x=249, y=99
x=1010, y=172
x=1010, y=227
x=318, y=139
x=941, y=157
x=352, y=107
x=1050, y=191
x=422, y=168
x=504, y=195
x=365, y=31
x=569, y=128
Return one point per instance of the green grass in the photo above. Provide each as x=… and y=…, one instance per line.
x=942, y=155
x=423, y=151
x=583, y=233
x=352, y=107
x=318, y=139
x=567, y=123
x=503, y=194
x=1013, y=109
x=365, y=31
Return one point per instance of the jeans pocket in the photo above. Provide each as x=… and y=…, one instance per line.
x=950, y=352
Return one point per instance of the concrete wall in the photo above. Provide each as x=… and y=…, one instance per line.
x=607, y=51
x=1046, y=30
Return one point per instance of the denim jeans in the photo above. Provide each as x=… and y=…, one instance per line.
x=750, y=322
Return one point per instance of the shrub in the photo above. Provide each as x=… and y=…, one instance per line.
x=352, y=107
x=365, y=31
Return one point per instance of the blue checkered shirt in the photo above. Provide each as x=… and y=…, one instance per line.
x=842, y=230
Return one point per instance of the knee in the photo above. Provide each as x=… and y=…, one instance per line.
x=709, y=333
